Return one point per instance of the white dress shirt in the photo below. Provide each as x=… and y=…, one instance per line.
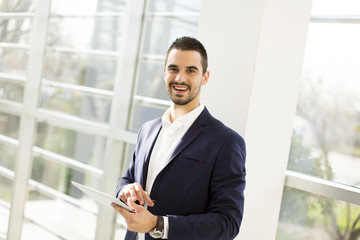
x=169, y=137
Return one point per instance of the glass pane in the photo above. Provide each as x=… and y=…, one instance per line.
x=84, y=148
x=83, y=70
x=142, y=113
x=30, y=230
x=120, y=226
x=57, y=176
x=161, y=33
x=7, y=156
x=66, y=220
x=336, y=7
x=49, y=174
x=175, y=5
x=85, y=33
x=15, y=30
x=305, y=216
x=13, y=91
x=326, y=139
x=151, y=82
x=53, y=176
x=9, y=129
x=18, y=6
x=5, y=193
x=13, y=61
x=87, y=6
x=9, y=125
x=128, y=156
x=77, y=103
x=5, y=200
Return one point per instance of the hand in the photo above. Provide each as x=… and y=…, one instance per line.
x=135, y=192
x=141, y=220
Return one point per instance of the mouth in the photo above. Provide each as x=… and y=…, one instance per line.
x=180, y=88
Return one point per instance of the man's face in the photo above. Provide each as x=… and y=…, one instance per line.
x=183, y=75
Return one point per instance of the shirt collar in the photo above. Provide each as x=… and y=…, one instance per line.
x=185, y=120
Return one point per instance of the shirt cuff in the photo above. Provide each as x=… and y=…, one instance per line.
x=166, y=227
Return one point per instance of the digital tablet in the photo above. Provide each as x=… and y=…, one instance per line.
x=101, y=197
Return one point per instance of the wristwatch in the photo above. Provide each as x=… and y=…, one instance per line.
x=158, y=231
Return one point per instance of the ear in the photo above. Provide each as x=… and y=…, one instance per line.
x=205, y=78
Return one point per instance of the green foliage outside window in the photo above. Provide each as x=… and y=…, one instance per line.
x=337, y=220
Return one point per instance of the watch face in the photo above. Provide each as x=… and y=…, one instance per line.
x=156, y=233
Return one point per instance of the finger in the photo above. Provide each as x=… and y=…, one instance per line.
x=134, y=206
x=132, y=193
x=123, y=197
x=148, y=200
x=119, y=209
x=125, y=192
x=139, y=193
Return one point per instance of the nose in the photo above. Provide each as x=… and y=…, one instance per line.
x=180, y=77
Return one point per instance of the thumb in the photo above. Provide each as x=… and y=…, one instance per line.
x=131, y=203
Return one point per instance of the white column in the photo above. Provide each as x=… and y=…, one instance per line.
x=256, y=50
x=230, y=31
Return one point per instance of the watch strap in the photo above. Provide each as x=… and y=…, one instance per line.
x=159, y=223
x=158, y=231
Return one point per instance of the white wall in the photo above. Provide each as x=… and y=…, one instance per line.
x=256, y=52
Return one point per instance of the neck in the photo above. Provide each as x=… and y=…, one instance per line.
x=180, y=110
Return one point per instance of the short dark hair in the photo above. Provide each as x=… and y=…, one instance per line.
x=190, y=44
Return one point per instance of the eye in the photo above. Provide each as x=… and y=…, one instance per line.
x=172, y=69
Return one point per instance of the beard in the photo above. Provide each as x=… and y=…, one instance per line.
x=179, y=99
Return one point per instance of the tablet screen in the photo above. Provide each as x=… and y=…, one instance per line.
x=101, y=197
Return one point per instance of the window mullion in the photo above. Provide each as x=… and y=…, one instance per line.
x=23, y=162
x=120, y=111
x=322, y=187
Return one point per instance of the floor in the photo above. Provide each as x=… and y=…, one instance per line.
x=58, y=220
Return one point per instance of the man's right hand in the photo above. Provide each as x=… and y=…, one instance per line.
x=135, y=192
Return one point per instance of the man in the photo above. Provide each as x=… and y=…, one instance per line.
x=188, y=169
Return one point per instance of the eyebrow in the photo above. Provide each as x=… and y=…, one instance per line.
x=188, y=67
x=193, y=67
x=172, y=66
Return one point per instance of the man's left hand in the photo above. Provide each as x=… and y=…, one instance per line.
x=141, y=220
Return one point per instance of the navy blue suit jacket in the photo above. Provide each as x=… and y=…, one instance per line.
x=201, y=187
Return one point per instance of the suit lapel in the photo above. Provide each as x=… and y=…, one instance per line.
x=154, y=133
x=194, y=131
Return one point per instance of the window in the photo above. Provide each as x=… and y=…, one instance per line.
x=164, y=22
x=326, y=135
x=15, y=27
x=9, y=125
x=71, y=103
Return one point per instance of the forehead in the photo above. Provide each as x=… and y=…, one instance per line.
x=184, y=58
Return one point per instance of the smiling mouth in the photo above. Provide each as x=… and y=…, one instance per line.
x=180, y=88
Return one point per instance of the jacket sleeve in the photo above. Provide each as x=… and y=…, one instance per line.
x=226, y=201
x=127, y=178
